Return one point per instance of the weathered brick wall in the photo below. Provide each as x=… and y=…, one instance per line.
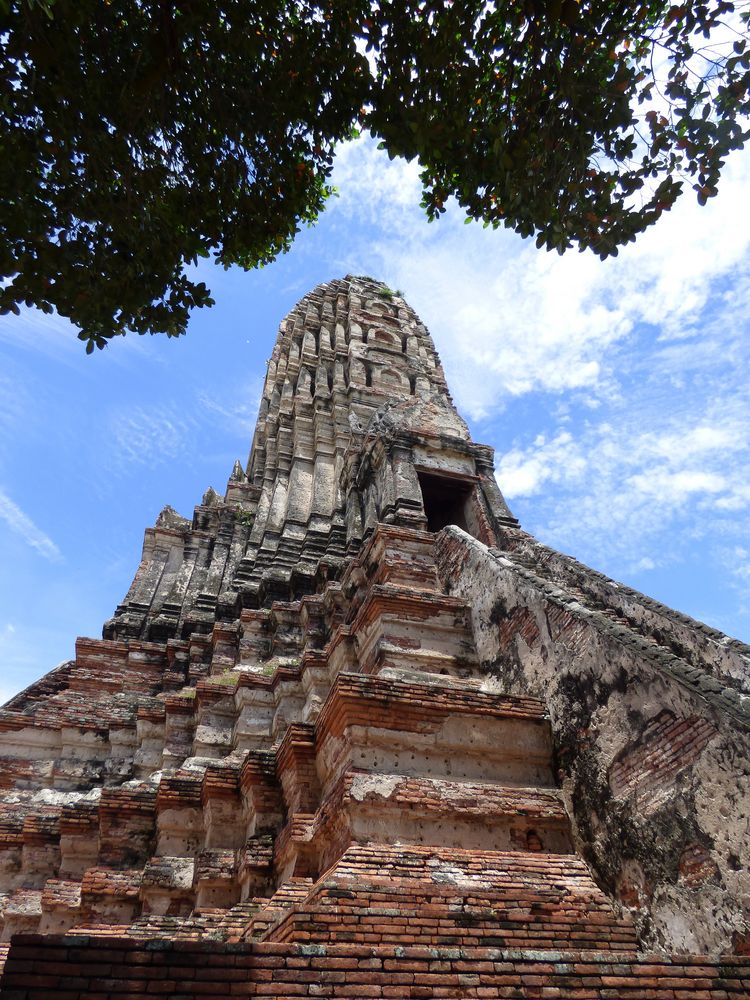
x=646, y=771
x=653, y=751
x=81, y=968
x=379, y=894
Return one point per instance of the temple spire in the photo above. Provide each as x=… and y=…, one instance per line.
x=352, y=365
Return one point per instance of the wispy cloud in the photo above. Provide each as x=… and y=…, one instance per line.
x=43, y=333
x=22, y=525
x=149, y=435
x=56, y=338
x=237, y=410
x=14, y=406
x=509, y=320
x=650, y=481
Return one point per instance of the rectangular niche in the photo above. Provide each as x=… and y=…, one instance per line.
x=447, y=500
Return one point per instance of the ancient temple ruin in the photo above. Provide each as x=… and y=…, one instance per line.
x=354, y=733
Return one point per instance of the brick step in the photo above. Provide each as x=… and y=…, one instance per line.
x=455, y=898
x=397, y=626
x=21, y=912
x=206, y=924
x=377, y=864
x=29, y=844
x=340, y=927
x=393, y=808
x=72, y=709
x=39, y=968
x=519, y=923
x=378, y=697
x=271, y=911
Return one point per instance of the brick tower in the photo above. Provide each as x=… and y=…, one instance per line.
x=354, y=733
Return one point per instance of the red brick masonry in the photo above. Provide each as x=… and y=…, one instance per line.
x=89, y=968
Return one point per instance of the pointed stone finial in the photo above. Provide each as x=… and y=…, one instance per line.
x=210, y=497
x=238, y=473
x=169, y=518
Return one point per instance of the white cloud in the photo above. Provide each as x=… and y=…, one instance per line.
x=615, y=392
x=620, y=486
x=392, y=187
x=510, y=320
x=738, y=500
x=22, y=525
x=675, y=487
x=523, y=473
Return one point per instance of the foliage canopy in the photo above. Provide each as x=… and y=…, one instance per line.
x=138, y=136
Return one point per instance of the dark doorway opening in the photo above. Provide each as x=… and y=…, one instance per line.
x=446, y=501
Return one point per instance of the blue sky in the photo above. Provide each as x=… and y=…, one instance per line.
x=615, y=394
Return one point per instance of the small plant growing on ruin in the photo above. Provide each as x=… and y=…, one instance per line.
x=270, y=666
x=228, y=677
x=246, y=517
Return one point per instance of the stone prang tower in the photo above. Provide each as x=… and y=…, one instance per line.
x=354, y=733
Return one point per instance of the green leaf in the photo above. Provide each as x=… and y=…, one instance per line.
x=136, y=145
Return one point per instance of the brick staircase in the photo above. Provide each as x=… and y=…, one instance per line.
x=305, y=760
x=380, y=895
